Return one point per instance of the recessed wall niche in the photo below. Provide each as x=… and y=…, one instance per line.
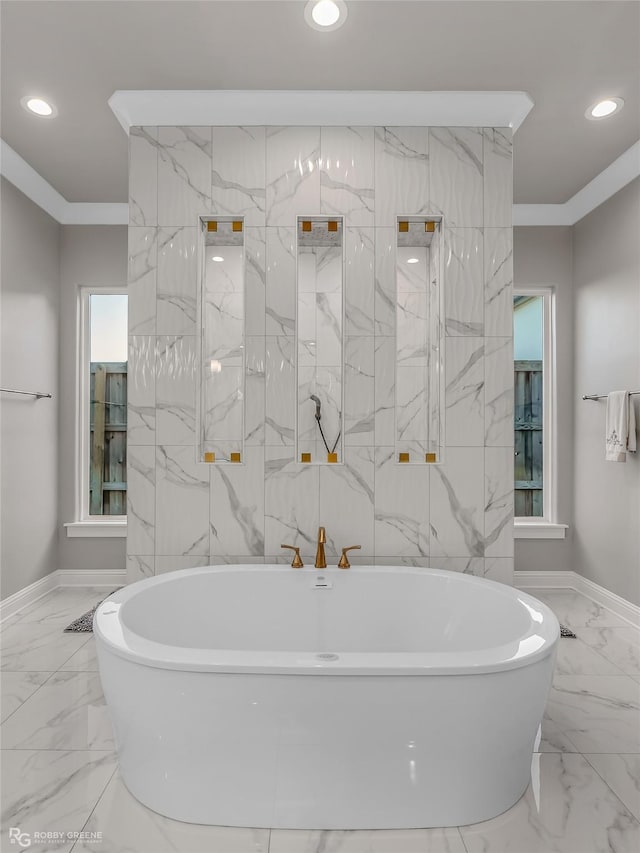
x=319, y=340
x=419, y=377
x=221, y=323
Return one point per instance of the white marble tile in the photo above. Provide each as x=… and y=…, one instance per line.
x=280, y=390
x=498, y=502
x=598, y=713
x=52, y=791
x=293, y=174
x=576, y=658
x=55, y=608
x=175, y=564
x=292, y=496
x=359, y=397
x=498, y=282
x=255, y=382
x=237, y=506
x=84, y=660
x=384, y=383
x=566, y=809
x=415, y=562
x=139, y=566
x=498, y=392
x=463, y=281
x=16, y=689
x=67, y=712
x=367, y=841
x=238, y=173
x=141, y=499
x=176, y=281
x=401, y=500
x=385, y=282
x=456, y=504
x=499, y=569
x=412, y=340
x=498, y=177
x=577, y=611
x=401, y=173
x=127, y=825
x=622, y=775
x=141, y=290
x=184, y=174
x=346, y=174
x=551, y=739
x=359, y=285
x=38, y=647
x=620, y=645
x=182, y=491
x=456, y=175
x=141, y=390
x=346, y=501
x=412, y=403
x=143, y=176
x=281, y=281
x=224, y=408
x=255, y=285
x=326, y=384
x=464, y=565
x=175, y=390
x=464, y=392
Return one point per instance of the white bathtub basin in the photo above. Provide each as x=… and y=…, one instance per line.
x=368, y=698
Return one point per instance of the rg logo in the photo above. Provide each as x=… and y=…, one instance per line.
x=17, y=837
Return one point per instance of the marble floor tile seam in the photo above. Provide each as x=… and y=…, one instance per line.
x=95, y=805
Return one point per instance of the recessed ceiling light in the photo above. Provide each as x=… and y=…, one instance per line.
x=605, y=108
x=217, y=259
x=325, y=15
x=413, y=260
x=39, y=106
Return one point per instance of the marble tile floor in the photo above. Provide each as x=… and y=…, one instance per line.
x=59, y=771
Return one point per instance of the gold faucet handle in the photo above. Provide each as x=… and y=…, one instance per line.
x=296, y=563
x=344, y=562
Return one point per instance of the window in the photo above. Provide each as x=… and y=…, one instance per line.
x=534, y=406
x=102, y=404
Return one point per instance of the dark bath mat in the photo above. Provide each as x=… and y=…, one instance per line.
x=566, y=632
x=84, y=623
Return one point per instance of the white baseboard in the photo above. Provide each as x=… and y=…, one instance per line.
x=24, y=597
x=572, y=580
x=92, y=577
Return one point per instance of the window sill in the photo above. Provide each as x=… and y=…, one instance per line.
x=116, y=529
x=538, y=530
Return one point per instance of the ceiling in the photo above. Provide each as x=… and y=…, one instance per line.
x=565, y=53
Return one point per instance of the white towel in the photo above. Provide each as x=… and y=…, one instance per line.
x=620, y=426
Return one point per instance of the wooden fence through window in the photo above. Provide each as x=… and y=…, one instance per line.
x=528, y=438
x=108, y=445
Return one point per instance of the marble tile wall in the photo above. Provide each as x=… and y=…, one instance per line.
x=456, y=515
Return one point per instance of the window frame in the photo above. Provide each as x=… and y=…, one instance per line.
x=547, y=525
x=86, y=524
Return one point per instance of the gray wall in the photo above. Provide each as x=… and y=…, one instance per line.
x=29, y=427
x=90, y=255
x=606, y=260
x=543, y=257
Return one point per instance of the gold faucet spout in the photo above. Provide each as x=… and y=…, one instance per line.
x=321, y=560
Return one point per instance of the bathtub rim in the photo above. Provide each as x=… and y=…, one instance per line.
x=107, y=628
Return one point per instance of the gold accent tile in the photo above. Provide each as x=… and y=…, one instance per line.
x=430, y=457
x=305, y=457
x=306, y=225
x=209, y=457
x=236, y=225
x=429, y=226
x=332, y=457
x=403, y=457
x=403, y=226
x=212, y=226
x=235, y=457
x=332, y=225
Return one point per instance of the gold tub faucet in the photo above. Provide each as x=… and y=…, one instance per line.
x=321, y=560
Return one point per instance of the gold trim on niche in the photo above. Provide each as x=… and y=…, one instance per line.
x=403, y=457
x=429, y=226
x=235, y=457
x=403, y=226
x=236, y=225
x=212, y=226
x=209, y=457
x=332, y=225
x=332, y=457
x=306, y=225
x=305, y=457
x=430, y=457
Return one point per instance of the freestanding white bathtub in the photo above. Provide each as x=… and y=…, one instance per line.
x=368, y=698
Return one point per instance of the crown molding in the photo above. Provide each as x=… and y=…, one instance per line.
x=18, y=172
x=325, y=108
